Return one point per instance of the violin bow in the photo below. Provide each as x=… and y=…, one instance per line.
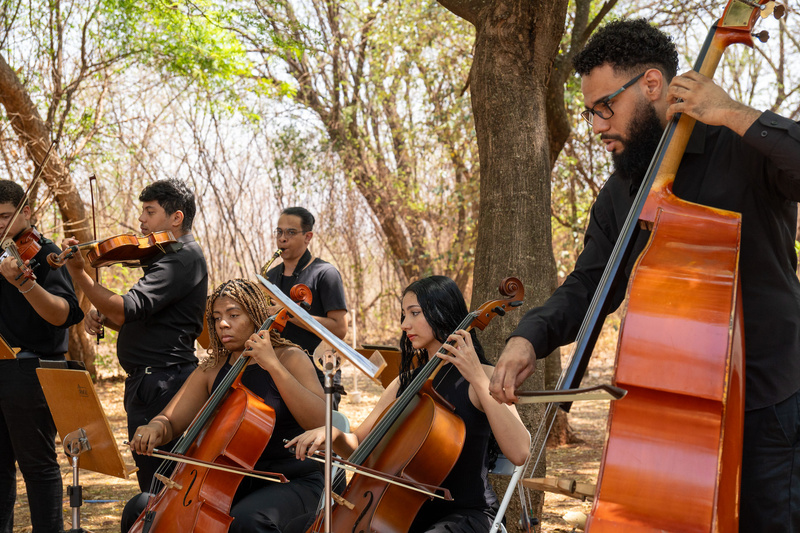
x=102, y=331
x=598, y=392
x=36, y=177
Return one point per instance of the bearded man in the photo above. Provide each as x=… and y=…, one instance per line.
x=738, y=159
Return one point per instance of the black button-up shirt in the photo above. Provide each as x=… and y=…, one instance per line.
x=757, y=175
x=164, y=310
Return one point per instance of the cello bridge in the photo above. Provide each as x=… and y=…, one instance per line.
x=168, y=483
x=341, y=501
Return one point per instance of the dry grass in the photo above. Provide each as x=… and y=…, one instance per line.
x=105, y=496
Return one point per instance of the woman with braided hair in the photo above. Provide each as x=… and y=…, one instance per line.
x=281, y=374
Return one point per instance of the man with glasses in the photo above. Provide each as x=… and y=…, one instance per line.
x=738, y=159
x=293, y=235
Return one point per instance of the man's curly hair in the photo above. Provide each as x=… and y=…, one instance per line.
x=628, y=45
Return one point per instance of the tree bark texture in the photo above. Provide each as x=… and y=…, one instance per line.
x=515, y=47
x=35, y=138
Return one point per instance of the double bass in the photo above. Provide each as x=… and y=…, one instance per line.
x=672, y=460
x=418, y=438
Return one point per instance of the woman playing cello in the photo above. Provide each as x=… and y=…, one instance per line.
x=282, y=375
x=431, y=310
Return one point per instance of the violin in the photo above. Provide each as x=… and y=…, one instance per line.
x=24, y=247
x=232, y=429
x=418, y=438
x=127, y=249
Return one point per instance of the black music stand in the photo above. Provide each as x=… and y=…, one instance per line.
x=83, y=427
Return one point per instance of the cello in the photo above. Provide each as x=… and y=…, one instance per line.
x=418, y=438
x=672, y=460
x=232, y=429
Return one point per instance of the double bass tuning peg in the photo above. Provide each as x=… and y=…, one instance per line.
x=762, y=36
x=767, y=9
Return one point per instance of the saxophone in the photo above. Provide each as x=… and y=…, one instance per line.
x=272, y=259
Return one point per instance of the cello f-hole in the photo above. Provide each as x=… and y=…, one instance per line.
x=370, y=496
x=188, y=490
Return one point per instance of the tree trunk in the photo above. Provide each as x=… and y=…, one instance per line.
x=516, y=43
x=35, y=137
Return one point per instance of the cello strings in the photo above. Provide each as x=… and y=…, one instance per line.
x=252, y=300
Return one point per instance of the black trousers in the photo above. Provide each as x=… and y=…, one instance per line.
x=147, y=393
x=27, y=438
x=770, y=495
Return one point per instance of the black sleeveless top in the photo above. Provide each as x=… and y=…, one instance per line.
x=468, y=481
x=275, y=458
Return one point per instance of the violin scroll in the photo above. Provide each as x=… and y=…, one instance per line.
x=24, y=247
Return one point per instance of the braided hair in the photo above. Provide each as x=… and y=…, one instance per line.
x=254, y=303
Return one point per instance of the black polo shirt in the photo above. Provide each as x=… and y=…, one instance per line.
x=757, y=175
x=21, y=326
x=164, y=310
x=327, y=294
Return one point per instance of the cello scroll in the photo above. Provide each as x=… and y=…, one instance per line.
x=514, y=292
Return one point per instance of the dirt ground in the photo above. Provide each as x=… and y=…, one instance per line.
x=105, y=496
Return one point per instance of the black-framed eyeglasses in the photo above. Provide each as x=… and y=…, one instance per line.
x=603, y=108
x=278, y=232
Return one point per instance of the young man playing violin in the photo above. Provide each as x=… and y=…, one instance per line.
x=34, y=317
x=737, y=159
x=160, y=317
x=292, y=236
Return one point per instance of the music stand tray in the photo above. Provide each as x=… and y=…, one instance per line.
x=83, y=428
x=391, y=358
